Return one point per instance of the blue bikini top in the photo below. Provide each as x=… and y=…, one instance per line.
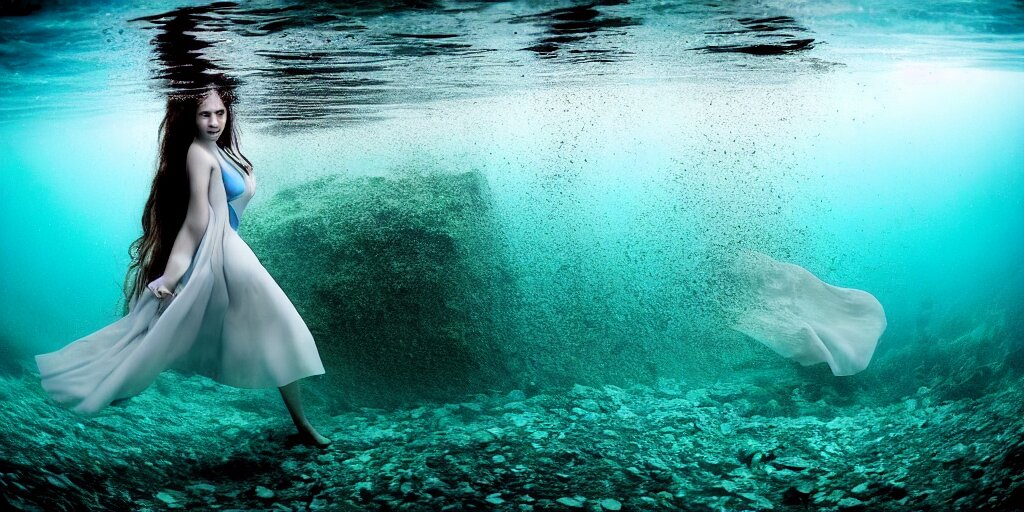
x=234, y=187
x=234, y=184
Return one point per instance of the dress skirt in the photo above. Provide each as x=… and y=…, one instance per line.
x=229, y=321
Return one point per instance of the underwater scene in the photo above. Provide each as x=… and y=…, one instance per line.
x=554, y=255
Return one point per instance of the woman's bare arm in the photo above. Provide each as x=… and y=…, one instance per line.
x=200, y=164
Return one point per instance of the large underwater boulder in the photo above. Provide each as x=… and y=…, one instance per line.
x=402, y=281
x=13, y=358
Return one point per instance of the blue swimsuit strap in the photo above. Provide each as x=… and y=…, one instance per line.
x=234, y=183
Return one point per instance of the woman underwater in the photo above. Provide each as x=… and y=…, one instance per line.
x=211, y=309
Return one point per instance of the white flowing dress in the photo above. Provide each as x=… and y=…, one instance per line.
x=229, y=321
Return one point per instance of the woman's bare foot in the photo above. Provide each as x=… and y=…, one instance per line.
x=310, y=436
x=293, y=400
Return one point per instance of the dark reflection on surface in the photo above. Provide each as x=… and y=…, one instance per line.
x=179, y=52
x=579, y=33
x=340, y=70
x=310, y=64
x=19, y=7
x=333, y=62
x=779, y=29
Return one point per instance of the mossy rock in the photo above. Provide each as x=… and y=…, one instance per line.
x=403, y=282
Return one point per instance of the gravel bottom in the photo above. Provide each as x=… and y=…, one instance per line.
x=188, y=443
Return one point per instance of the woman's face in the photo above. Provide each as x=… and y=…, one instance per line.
x=211, y=117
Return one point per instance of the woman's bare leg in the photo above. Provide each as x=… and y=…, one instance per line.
x=293, y=401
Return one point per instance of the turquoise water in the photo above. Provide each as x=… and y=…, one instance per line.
x=506, y=224
x=888, y=158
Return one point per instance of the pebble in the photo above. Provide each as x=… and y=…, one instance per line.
x=263, y=492
x=792, y=463
x=433, y=484
x=202, y=487
x=166, y=498
x=363, y=489
x=483, y=437
x=760, y=501
x=570, y=502
x=956, y=453
x=850, y=503
x=610, y=504
x=59, y=481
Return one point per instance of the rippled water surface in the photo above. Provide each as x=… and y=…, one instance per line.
x=308, y=64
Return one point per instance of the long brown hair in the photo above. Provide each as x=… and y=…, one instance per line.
x=165, y=210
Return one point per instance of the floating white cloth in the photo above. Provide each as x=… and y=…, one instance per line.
x=803, y=318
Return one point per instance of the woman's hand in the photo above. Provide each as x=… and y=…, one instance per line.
x=160, y=288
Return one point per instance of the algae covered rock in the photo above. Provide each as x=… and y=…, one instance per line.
x=402, y=281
